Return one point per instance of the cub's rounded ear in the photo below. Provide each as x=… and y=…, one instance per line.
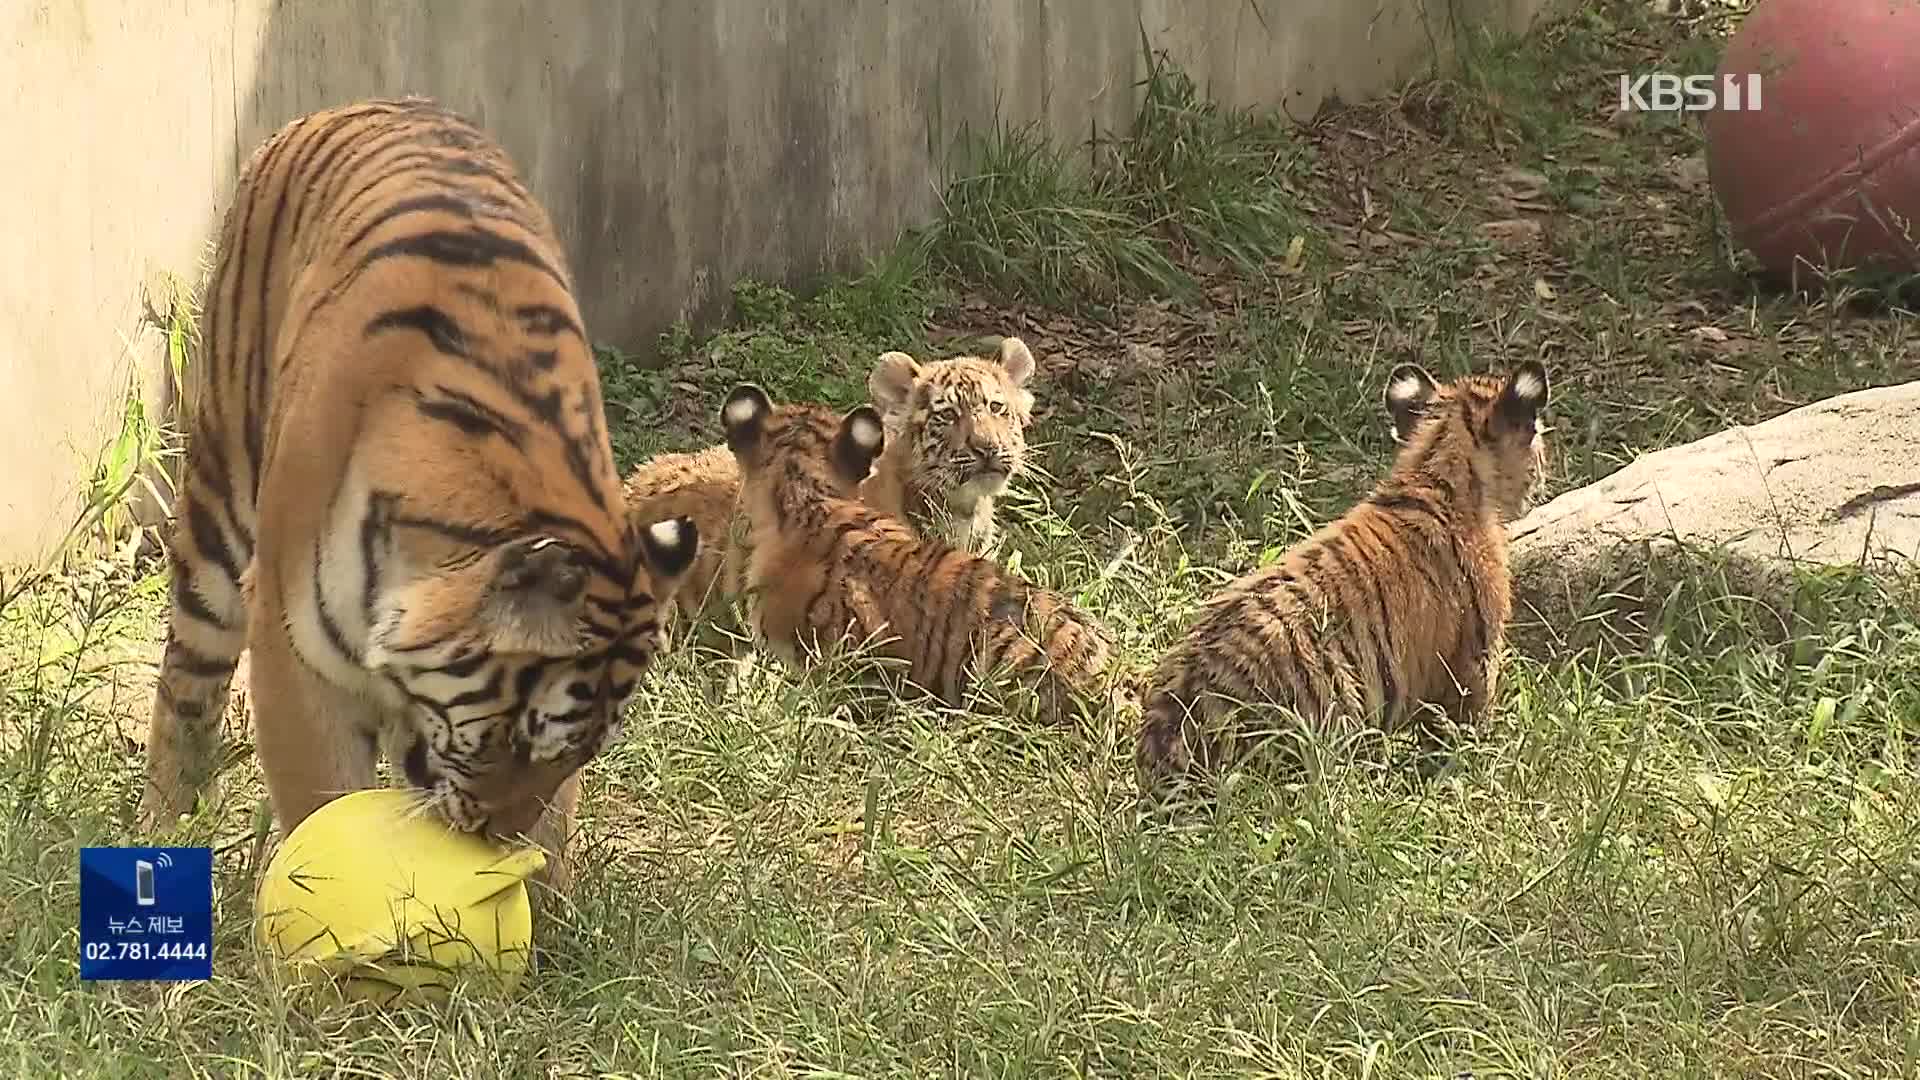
x=1409, y=388
x=669, y=546
x=890, y=384
x=1524, y=396
x=1017, y=359
x=859, y=441
x=743, y=415
x=542, y=567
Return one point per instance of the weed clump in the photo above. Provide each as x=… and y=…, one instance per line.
x=1190, y=186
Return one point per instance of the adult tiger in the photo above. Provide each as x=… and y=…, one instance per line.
x=398, y=493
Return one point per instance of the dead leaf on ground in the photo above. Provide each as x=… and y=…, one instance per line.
x=1143, y=358
x=1512, y=229
x=1718, y=342
x=1523, y=184
x=1688, y=173
x=1296, y=249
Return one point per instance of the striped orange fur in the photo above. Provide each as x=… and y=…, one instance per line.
x=398, y=493
x=828, y=569
x=956, y=436
x=1398, y=605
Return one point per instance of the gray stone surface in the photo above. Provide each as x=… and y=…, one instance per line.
x=1832, y=483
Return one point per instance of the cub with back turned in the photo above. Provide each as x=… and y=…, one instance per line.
x=1398, y=606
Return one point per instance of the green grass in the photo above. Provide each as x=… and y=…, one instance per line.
x=1189, y=187
x=1685, y=845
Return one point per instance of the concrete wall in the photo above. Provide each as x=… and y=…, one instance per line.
x=678, y=143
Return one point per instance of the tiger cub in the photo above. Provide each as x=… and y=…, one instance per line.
x=1398, y=605
x=704, y=487
x=827, y=568
x=398, y=492
x=956, y=436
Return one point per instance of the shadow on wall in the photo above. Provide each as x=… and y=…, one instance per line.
x=678, y=146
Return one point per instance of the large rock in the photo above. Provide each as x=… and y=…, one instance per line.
x=1835, y=482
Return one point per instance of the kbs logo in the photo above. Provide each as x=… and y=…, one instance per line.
x=1661, y=92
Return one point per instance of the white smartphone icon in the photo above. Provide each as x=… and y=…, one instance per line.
x=143, y=883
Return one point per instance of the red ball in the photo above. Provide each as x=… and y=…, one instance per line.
x=1827, y=169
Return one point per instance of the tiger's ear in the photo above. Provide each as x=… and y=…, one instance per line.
x=1017, y=359
x=536, y=598
x=1409, y=388
x=743, y=416
x=891, y=382
x=667, y=549
x=1523, y=397
x=860, y=439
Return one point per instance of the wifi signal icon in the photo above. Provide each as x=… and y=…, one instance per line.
x=165, y=860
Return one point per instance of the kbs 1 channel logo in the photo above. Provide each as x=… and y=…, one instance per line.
x=146, y=913
x=1665, y=92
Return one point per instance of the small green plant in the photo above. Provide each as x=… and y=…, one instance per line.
x=758, y=305
x=1188, y=182
x=135, y=465
x=636, y=395
x=1024, y=223
x=1215, y=183
x=123, y=469
x=778, y=347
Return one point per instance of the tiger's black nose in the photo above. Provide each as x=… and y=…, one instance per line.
x=993, y=460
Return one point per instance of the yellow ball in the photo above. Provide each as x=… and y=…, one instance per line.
x=385, y=899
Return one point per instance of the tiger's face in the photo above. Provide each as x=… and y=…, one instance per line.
x=962, y=421
x=1500, y=414
x=518, y=668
